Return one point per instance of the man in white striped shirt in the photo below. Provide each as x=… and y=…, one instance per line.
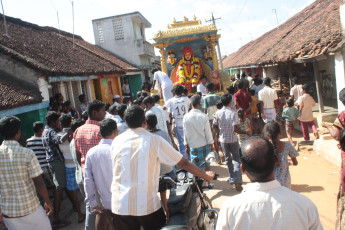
x=136, y=157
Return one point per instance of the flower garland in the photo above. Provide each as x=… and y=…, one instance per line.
x=194, y=72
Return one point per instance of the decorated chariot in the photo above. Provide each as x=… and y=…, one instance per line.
x=188, y=52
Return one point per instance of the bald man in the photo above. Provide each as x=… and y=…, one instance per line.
x=264, y=203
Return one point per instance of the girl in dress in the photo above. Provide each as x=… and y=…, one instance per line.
x=284, y=150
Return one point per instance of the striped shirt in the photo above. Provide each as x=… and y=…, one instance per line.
x=18, y=166
x=227, y=119
x=136, y=157
x=36, y=145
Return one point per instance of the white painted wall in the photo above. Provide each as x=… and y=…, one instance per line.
x=340, y=77
x=43, y=87
x=128, y=47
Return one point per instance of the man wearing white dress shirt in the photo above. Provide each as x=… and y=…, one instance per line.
x=136, y=157
x=264, y=203
x=165, y=85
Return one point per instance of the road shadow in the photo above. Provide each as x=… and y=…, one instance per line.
x=305, y=188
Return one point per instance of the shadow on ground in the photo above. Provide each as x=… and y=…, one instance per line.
x=305, y=188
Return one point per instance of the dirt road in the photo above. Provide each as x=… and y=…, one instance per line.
x=313, y=177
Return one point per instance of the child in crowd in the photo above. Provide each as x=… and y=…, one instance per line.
x=283, y=150
x=244, y=125
x=35, y=144
x=305, y=104
x=255, y=107
x=231, y=90
x=72, y=186
x=151, y=123
x=290, y=115
x=57, y=107
x=121, y=124
x=280, y=103
x=69, y=109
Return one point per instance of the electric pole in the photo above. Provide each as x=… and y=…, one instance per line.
x=213, y=20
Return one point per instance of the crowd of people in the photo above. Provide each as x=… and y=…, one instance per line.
x=114, y=155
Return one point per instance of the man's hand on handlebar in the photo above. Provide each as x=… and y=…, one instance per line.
x=210, y=175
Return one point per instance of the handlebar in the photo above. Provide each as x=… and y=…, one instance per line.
x=169, y=179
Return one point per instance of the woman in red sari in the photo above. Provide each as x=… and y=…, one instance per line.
x=336, y=131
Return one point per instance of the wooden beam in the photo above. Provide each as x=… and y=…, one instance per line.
x=290, y=75
x=318, y=85
x=280, y=77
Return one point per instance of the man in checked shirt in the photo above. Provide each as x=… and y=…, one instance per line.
x=86, y=137
x=20, y=176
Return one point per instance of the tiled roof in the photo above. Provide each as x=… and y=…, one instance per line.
x=105, y=54
x=12, y=96
x=313, y=31
x=52, y=53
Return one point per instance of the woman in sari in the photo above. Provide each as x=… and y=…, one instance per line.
x=336, y=129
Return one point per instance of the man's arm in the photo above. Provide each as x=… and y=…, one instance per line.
x=262, y=109
x=276, y=107
x=240, y=131
x=170, y=134
x=42, y=192
x=250, y=107
x=90, y=188
x=195, y=170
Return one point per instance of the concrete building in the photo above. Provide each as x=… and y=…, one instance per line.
x=124, y=36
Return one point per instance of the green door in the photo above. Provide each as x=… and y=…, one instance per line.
x=135, y=83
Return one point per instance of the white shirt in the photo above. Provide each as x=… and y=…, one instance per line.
x=296, y=92
x=137, y=156
x=162, y=117
x=178, y=106
x=196, y=129
x=306, y=104
x=121, y=126
x=98, y=174
x=163, y=79
x=268, y=206
x=125, y=89
x=201, y=88
x=65, y=149
x=116, y=118
x=268, y=96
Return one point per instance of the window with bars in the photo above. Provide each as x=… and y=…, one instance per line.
x=100, y=33
x=67, y=91
x=84, y=89
x=118, y=29
x=55, y=88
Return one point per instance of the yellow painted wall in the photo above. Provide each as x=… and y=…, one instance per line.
x=110, y=85
x=93, y=90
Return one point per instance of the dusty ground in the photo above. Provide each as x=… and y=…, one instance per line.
x=313, y=177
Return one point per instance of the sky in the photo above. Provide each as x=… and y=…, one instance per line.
x=240, y=20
